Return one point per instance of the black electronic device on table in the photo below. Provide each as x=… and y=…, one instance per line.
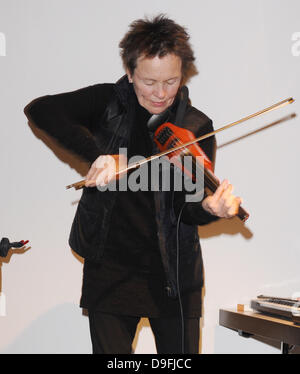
x=287, y=308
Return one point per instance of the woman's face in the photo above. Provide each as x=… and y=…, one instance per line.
x=156, y=81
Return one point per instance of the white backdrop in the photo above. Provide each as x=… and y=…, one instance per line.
x=248, y=56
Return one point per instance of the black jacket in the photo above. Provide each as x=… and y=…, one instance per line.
x=97, y=120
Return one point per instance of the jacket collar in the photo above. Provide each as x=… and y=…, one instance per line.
x=124, y=90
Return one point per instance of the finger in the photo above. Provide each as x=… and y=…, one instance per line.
x=228, y=190
x=90, y=173
x=104, y=169
x=234, y=208
x=110, y=172
x=102, y=161
x=230, y=207
x=100, y=178
x=226, y=203
x=94, y=177
x=99, y=163
x=219, y=191
x=106, y=176
x=90, y=183
x=227, y=197
x=209, y=205
x=90, y=179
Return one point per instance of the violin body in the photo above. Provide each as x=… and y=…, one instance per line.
x=168, y=136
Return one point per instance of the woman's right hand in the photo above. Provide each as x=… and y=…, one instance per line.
x=104, y=169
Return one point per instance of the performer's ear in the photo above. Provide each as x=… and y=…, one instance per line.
x=129, y=76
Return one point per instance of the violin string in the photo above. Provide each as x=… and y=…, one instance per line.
x=211, y=182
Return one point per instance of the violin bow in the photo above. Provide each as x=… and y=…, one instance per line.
x=136, y=165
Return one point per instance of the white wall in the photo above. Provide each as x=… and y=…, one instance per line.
x=245, y=58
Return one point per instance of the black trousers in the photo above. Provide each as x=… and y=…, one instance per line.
x=113, y=334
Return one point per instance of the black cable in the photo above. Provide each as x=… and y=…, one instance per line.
x=177, y=276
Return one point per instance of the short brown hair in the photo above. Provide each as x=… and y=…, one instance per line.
x=157, y=37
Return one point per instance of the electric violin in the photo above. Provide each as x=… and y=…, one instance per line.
x=175, y=141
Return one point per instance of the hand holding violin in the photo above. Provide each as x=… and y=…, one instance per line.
x=222, y=202
x=105, y=169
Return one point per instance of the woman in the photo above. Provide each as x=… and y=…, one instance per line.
x=134, y=266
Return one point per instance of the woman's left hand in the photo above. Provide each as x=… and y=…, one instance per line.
x=222, y=203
